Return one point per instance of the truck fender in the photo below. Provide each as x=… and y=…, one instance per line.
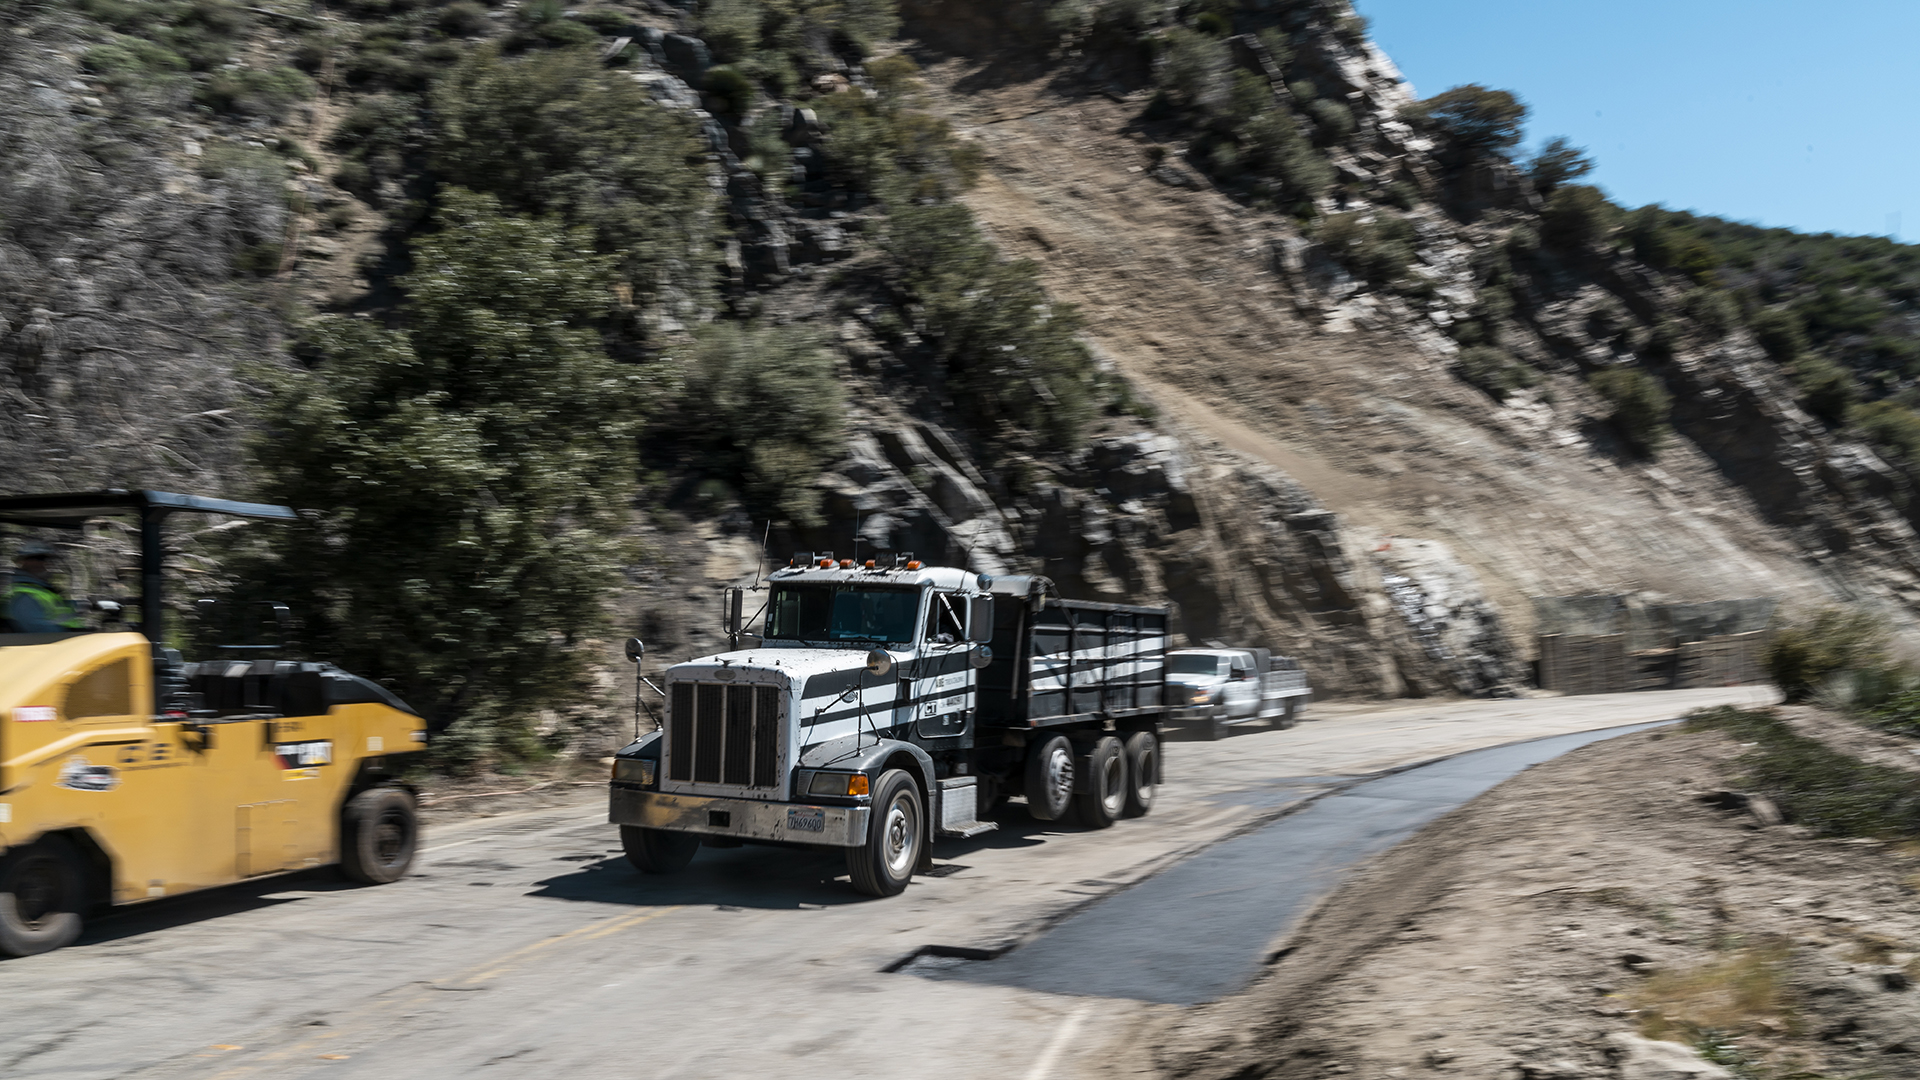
x=854, y=753
x=849, y=754
x=644, y=748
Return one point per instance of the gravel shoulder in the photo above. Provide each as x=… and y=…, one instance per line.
x=1593, y=895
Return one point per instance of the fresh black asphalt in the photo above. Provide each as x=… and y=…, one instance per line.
x=1201, y=929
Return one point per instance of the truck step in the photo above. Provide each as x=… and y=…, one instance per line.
x=976, y=829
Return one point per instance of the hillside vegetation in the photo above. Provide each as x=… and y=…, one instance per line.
x=502, y=295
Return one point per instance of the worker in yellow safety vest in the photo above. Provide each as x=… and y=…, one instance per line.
x=34, y=605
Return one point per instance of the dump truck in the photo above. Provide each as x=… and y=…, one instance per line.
x=128, y=774
x=1215, y=689
x=880, y=707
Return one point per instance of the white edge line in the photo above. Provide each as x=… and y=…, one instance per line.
x=1043, y=1068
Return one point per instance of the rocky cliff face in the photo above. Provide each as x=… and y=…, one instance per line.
x=1312, y=465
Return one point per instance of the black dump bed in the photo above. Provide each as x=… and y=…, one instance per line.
x=1070, y=661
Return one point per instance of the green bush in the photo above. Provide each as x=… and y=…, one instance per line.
x=765, y=406
x=1380, y=250
x=1639, y=407
x=1577, y=216
x=732, y=92
x=557, y=133
x=1332, y=119
x=469, y=476
x=1558, y=162
x=1494, y=371
x=1472, y=121
x=879, y=143
x=1827, y=390
x=1711, y=311
x=1782, y=333
x=1813, y=784
x=1008, y=359
x=128, y=62
x=1890, y=428
x=1803, y=655
x=254, y=92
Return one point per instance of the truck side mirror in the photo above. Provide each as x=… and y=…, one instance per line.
x=734, y=604
x=979, y=619
x=636, y=649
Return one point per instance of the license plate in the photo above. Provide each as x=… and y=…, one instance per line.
x=807, y=819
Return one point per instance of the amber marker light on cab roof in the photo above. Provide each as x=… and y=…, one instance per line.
x=915, y=565
x=869, y=564
x=846, y=564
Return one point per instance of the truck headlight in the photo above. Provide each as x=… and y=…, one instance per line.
x=832, y=783
x=1199, y=695
x=635, y=770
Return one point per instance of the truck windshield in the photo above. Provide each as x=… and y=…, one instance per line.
x=842, y=613
x=1193, y=664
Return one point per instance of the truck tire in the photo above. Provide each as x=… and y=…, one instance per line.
x=1049, y=779
x=1106, y=795
x=1291, y=715
x=1142, y=752
x=379, y=833
x=42, y=893
x=657, y=851
x=896, y=837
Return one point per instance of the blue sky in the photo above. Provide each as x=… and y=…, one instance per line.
x=1789, y=114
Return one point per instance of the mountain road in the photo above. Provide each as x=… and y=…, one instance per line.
x=525, y=940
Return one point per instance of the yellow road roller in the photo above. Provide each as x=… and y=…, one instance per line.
x=128, y=774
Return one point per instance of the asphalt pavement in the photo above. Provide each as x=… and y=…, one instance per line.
x=525, y=945
x=1203, y=928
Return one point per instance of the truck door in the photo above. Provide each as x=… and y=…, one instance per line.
x=1242, y=691
x=942, y=687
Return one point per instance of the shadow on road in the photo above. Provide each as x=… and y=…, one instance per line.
x=236, y=899
x=772, y=877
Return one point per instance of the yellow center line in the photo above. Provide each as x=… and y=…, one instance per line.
x=383, y=1006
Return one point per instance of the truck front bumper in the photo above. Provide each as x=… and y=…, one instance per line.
x=744, y=819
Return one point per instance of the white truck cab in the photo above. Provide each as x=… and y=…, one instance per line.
x=1213, y=689
x=879, y=707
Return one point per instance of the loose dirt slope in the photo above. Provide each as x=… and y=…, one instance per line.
x=1180, y=290
x=1593, y=895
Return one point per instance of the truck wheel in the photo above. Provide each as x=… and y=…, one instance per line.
x=896, y=833
x=1142, y=752
x=1106, y=795
x=1049, y=780
x=1216, y=728
x=657, y=851
x=1292, y=714
x=41, y=896
x=378, y=835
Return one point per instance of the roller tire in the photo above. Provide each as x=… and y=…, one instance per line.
x=42, y=895
x=657, y=851
x=1105, y=799
x=896, y=837
x=379, y=835
x=1049, y=778
x=1142, y=751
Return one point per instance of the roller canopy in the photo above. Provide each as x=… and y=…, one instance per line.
x=71, y=510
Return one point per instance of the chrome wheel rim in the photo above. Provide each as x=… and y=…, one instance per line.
x=1148, y=768
x=902, y=836
x=1059, y=777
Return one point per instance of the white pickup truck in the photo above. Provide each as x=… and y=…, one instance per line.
x=1211, y=690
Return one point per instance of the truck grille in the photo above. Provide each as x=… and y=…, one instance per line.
x=718, y=733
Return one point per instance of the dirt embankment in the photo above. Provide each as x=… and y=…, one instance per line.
x=1593, y=897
